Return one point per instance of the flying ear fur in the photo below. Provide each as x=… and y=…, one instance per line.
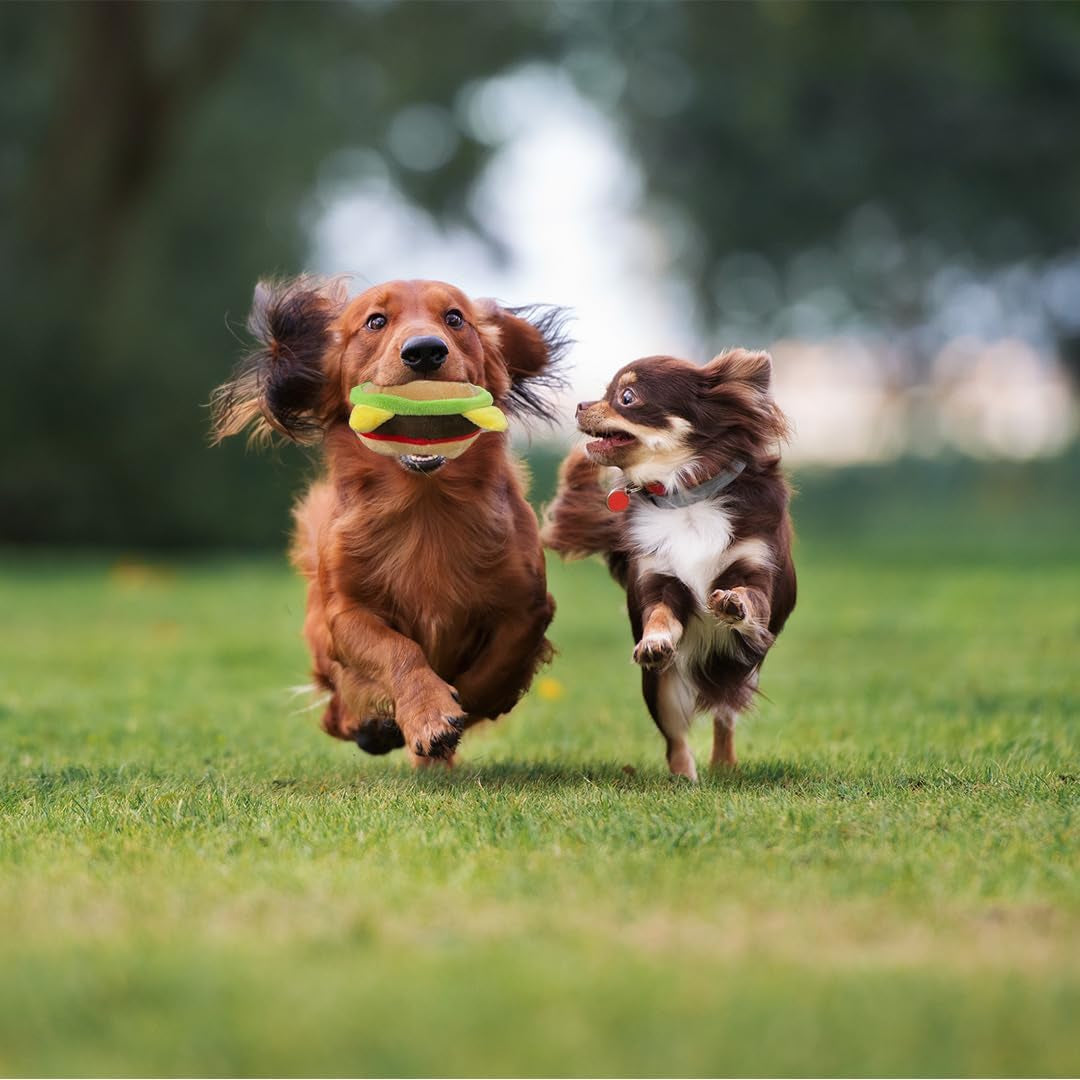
x=743, y=365
x=743, y=378
x=279, y=385
x=530, y=343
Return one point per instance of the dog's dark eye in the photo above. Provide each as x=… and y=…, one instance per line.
x=628, y=397
x=454, y=319
x=375, y=322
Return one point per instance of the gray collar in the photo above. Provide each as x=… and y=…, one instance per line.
x=687, y=497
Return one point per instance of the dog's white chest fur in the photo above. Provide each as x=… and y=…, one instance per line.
x=689, y=543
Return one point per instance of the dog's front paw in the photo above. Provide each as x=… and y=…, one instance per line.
x=728, y=605
x=432, y=724
x=655, y=651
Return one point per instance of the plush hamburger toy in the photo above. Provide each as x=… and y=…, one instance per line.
x=423, y=423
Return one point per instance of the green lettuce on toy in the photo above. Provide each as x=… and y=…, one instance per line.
x=440, y=419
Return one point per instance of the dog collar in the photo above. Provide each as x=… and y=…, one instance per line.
x=618, y=498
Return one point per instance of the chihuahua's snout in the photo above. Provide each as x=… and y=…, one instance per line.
x=424, y=354
x=582, y=406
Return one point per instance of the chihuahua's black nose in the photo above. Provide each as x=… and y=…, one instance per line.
x=424, y=354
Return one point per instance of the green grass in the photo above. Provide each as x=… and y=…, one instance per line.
x=194, y=880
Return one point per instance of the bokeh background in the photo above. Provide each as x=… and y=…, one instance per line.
x=195, y=881
x=887, y=196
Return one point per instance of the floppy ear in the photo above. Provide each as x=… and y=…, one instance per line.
x=279, y=385
x=525, y=348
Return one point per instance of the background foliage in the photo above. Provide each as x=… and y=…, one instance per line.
x=157, y=159
x=194, y=880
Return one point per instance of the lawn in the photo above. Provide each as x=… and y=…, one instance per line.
x=195, y=880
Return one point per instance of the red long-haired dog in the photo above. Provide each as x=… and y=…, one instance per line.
x=697, y=531
x=427, y=598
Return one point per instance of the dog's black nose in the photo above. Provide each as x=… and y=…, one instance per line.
x=424, y=353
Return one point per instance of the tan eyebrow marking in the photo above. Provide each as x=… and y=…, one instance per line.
x=627, y=378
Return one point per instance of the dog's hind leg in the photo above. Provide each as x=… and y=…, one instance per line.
x=723, y=748
x=672, y=700
x=495, y=679
x=733, y=694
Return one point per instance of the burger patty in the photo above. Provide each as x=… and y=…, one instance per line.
x=425, y=427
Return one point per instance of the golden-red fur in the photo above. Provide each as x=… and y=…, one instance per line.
x=427, y=598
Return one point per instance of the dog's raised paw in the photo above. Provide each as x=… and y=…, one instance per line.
x=654, y=651
x=728, y=605
x=432, y=720
x=436, y=734
x=379, y=736
x=444, y=744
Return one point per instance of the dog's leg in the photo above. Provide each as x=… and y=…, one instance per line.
x=665, y=605
x=746, y=610
x=672, y=700
x=426, y=709
x=358, y=710
x=362, y=713
x=740, y=598
x=660, y=607
x=730, y=686
x=659, y=639
x=494, y=681
x=723, y=750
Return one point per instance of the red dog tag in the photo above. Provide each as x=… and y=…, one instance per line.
x=618, y=500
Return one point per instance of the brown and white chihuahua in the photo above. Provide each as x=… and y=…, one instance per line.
x=697, y=531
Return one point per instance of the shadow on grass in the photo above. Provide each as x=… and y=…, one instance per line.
x=811, y=779
x=758, y=774
x=396, y=778
x=521, y=774
x=549, y=774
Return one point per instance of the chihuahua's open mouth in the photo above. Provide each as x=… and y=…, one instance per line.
x=604, y=442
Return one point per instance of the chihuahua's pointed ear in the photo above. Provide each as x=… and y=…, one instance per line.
x=525, y=349
x=742, y=380
x=753, y=368
x=279, y=385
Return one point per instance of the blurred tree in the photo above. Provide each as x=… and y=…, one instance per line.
x=157, y=159
x=858, y=148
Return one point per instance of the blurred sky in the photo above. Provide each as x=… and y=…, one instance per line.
x=563, y=195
